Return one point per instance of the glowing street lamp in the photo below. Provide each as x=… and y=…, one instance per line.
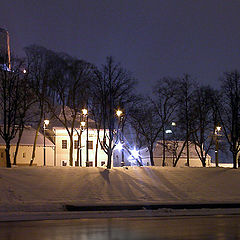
x=45, y=124
x=119, y=113
x=84, y=111
x=217, y=130
x=83, y=124
x=119, y=146
x=134, y=153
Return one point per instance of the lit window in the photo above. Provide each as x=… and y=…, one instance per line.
x=75, y=144
x=64, y=144
x=90, y=144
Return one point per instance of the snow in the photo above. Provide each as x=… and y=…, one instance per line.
x=42, y=192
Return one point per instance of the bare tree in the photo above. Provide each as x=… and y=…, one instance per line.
x=13, y=105
x=186, y=87
x=229, y=112
x=70, y=83
x=39, y=62
x=144, y=118
x=112, y=87
x=165, y=101
x=202, y=112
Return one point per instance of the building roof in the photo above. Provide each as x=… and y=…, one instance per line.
x=28, y=139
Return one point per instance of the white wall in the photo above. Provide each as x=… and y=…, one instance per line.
x=63, y=154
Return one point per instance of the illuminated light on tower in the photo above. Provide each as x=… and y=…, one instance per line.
x=4, y=49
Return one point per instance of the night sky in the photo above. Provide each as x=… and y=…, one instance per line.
x=151, y=38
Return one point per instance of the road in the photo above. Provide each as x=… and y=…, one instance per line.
x=167, y=228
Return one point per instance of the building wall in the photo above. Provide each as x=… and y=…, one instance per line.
x=62, y=155
x=25, y=154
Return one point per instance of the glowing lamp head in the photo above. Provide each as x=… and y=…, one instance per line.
x=119, y=146
x=83, y=124
x=24, y=71
x=119, y=113
x=46, y=122
x=218, y=128
x=168, y=131
x=84, y=111
x=134, y=153
x=173, y=124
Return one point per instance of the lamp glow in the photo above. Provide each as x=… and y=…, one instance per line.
x=84, y=111
x=119, y=113
x=134, y=153
x=119, y=146
x=46, y=122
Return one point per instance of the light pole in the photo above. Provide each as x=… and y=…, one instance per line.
x=217, y=130
x=80, y=140
x=85, y=114
x=45, y=124
x=119, y=113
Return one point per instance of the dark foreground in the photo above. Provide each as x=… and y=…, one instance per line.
x=167, y=228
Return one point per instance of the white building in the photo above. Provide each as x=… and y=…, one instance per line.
x=96, y=156
x=25, y=149
x=172, y=149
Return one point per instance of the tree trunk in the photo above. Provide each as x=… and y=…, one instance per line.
x=109, y=161
x=17, y=147
x=78, y=150
x=234, y=160
x=164, y=149
x=96, y=154
x=151, y=157
x=71, y=152
x=188, y=157
x=203, y=162
x=35, y=142
x=7, y=150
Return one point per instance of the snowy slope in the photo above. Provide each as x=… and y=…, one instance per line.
x=49, y=188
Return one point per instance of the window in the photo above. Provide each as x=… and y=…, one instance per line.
x=1, y=154
x=24, y=155
x=64, y=163
x=64, y=144
x=90, y=164
x=75, y=144
x=90, y=144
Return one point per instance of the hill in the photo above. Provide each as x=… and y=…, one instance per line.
x=51, y=188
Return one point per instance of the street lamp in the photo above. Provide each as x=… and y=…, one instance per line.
x=119, y=113
x=217, y=130
x=45, y=124
x=85, y=114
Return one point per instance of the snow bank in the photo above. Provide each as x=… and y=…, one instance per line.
x=48, y=189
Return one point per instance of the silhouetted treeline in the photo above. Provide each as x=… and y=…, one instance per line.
x=58, y=86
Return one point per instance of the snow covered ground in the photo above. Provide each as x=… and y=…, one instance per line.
x=42, y=192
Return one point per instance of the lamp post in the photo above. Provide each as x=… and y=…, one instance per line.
x=80, y=141
x=217, y=130
x=85, y=114
x=45, y=124
x=119, y=113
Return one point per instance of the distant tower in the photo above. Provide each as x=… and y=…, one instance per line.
x=4, y=49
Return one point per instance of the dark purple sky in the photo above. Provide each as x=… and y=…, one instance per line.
x=151, y=38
